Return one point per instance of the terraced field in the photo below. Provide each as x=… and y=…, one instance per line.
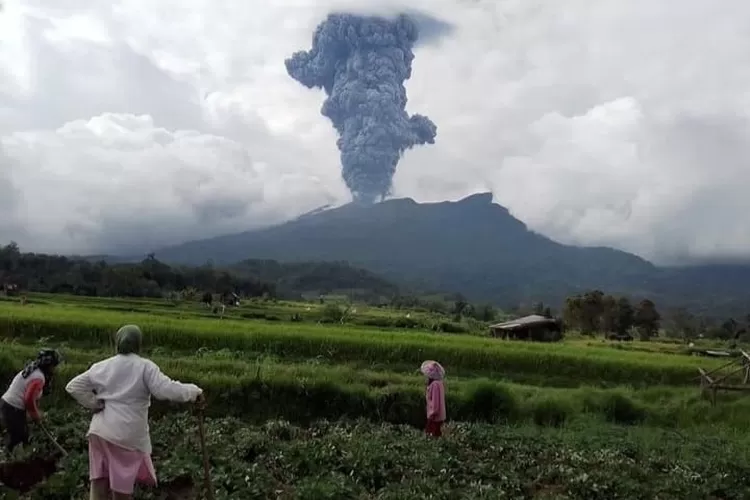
x=256, y=371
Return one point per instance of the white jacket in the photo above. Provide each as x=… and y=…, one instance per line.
x=126, y=383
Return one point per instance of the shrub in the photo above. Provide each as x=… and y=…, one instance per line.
x=331, y=313
x=398, y=407
x=380, y=322
x=490, y=403
x=404, y=322
x=616, y=407
x=448, y=327
x=551, y=412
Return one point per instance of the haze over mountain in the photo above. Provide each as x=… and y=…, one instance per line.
x=472, y=246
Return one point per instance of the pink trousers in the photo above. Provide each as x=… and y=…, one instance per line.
x=124, y=468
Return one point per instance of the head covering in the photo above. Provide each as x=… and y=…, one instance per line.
x=45, y=359
x=128, y=340
x=432, y=370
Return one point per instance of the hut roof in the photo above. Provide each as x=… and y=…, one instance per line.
x=534, y=319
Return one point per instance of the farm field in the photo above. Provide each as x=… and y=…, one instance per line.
x=365, y=460
x=610, y=411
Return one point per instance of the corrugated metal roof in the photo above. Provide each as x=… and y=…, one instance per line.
x=526, y=320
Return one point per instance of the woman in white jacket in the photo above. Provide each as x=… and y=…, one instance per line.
x=118, y=390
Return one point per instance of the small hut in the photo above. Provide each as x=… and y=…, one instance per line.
x=535, y=327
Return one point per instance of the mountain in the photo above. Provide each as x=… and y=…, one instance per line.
x=472, y=246
x=718, y=290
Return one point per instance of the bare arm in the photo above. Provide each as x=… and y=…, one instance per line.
x=82, y=390
x=163, y=387
x=30, y=397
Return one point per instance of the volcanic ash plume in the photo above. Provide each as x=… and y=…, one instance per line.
x=362, y=63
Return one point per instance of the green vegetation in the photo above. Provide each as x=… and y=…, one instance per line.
x=152, y=278
x=302, y=392
x=364, y=460
x=594, y=311
x=340, y=343
x=479, y=249
x=583, y=418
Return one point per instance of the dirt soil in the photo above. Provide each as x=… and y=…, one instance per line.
x=180, y=488
x=24, y=475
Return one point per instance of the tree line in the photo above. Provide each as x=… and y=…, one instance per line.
x=590, y=312
x=454, y=305
x=148, y=278
x=596, y=312
x=36, y=272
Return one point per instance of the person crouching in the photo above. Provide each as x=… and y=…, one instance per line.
x=23, y=395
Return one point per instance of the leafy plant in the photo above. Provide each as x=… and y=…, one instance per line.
x=366, y=460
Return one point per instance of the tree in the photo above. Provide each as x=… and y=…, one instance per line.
x=647, y=319
x=573, y=311
x=153, y=278
x=10, y=256
x=189, y=294
x=437, y=306
x=624, y=316
x=684, y=325
x=459, y=307
x=609, y=312
x=485, y=312
x=585, y=312
x=592, y=311
x=332, y=313
x=542, y=310
x=728, y=329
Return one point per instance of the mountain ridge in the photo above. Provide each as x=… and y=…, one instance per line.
x=473, y=246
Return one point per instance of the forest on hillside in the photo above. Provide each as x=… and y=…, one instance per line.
x=590, y=312
x=153, y=278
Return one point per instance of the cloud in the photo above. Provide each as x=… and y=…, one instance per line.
x=9, y=196
x=119, y=183
x=132, y=124
x=618, y=176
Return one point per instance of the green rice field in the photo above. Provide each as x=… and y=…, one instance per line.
x=257, y=366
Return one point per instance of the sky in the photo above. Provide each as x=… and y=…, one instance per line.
x=128, y=125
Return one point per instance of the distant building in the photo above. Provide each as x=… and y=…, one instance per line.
x=535, y=328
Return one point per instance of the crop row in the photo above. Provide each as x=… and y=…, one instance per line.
x=366, y=460
x=260, y=391
x=270, y=311
x=460, y=354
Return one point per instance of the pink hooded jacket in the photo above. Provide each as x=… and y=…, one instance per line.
x=435, y=395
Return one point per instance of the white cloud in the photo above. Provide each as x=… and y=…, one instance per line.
x=137, y=123
x=118, y=182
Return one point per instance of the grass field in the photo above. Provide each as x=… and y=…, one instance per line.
x=257, y=366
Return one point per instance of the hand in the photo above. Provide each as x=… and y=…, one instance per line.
x=38, y=418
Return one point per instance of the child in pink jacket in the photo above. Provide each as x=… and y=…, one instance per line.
x=435, y=397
